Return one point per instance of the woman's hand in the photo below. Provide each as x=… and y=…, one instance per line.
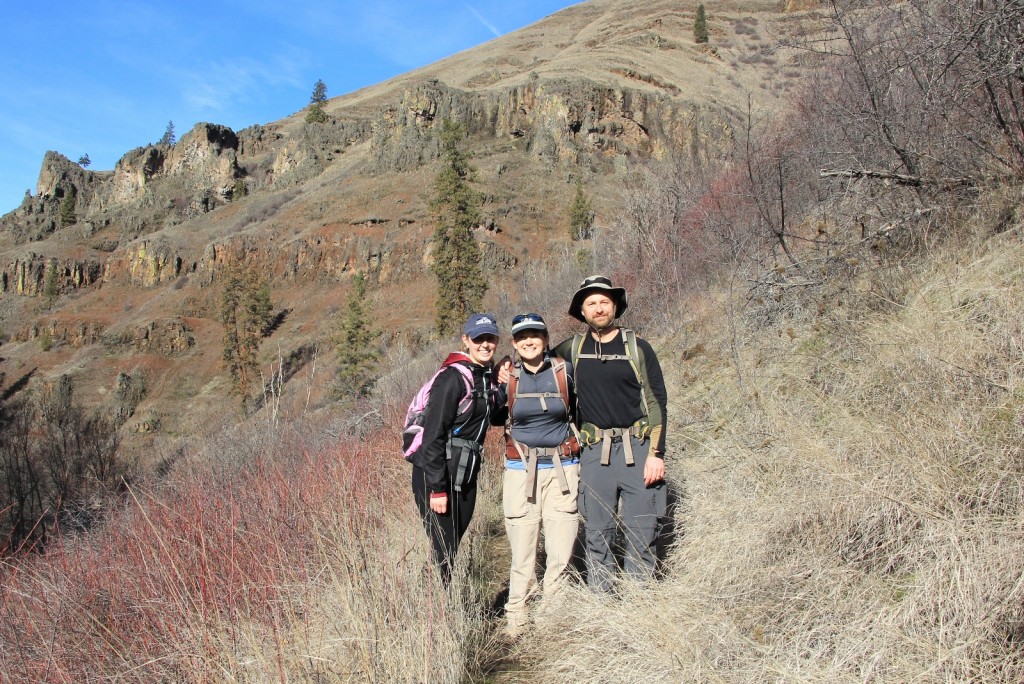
x=504, y=371
x=439, y=503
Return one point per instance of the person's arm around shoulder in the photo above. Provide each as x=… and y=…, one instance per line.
x=563, y=349
x=499, y=407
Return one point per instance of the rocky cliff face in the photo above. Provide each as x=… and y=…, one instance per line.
x=205, y=159
x=28, y=275
x=553, y=122
x=561, y=120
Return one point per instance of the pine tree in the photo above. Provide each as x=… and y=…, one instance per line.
x=168, y=137
x=581, y=216
x=319, y=95
x=66, y=213
x=700, y=25
x=245, y=312
x=356, y=346
x=51, y=288
x=316, y=111
x=456, y=206
x=84, y=161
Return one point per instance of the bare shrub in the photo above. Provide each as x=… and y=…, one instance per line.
x=60, y=466
x=929, y=89
x=746, y=26
x=660, y=248
x=289, y=562
x=24, y=496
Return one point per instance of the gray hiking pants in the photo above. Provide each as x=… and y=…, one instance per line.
x=642, y=511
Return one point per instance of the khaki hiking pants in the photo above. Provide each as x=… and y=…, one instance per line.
x=524, y=517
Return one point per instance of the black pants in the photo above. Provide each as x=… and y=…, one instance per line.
x=444, y=531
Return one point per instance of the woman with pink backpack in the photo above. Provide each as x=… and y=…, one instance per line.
x=444, y=438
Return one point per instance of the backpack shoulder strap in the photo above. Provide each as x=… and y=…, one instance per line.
x=468, y=380
x=636, y=360
x=558, y=365
x=561, y=384
x=513, y=389
x=636, y=356
x=577, y=347
x=561, y=379
x=574, y=354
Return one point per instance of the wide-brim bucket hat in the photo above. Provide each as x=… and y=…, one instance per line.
x=597, y=283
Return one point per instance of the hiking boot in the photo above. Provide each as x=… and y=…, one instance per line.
x=516, y=624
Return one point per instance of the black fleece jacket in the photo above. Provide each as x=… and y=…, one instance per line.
x=441, y=417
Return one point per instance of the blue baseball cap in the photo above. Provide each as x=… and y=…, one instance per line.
x=480, y=324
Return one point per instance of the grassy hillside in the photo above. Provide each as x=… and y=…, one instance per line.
x=837, y=306
x=847, y=508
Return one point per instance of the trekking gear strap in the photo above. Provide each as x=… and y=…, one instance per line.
x=592, y=434
x=632, y=355
x=525, y=453
x=606, y=445
x=467, y=451
x=561, y=382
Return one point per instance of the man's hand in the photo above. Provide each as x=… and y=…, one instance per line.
x=654, y=470
x=439, y=503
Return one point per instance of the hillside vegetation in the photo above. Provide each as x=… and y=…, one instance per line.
x=838, y=305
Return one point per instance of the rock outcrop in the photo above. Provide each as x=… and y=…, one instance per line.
x=552, y=121
x=204, y=159
x=559, y=120
x=28, y=275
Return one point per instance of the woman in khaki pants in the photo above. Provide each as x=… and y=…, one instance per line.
x=541, y=478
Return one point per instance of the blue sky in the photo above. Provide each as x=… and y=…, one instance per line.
x=103, y=77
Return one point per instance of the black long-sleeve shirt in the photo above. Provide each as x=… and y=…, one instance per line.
x=441, y=417
x=608, y=392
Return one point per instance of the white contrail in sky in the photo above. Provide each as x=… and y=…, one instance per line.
x=490, y=27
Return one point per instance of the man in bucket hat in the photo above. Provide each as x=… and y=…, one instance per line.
x=621, y=401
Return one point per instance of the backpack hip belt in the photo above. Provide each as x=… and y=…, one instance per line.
x=468, y=452
x=532, y=455
x=593, y=434
x=570, y=448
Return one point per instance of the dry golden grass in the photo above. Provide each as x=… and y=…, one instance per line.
x=289, y=556
x=853, y=513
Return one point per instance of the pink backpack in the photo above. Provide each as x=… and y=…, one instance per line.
x=412, y=434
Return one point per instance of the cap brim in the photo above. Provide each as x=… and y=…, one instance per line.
x=531, y=325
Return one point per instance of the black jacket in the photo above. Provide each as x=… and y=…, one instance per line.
x=441, y=420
